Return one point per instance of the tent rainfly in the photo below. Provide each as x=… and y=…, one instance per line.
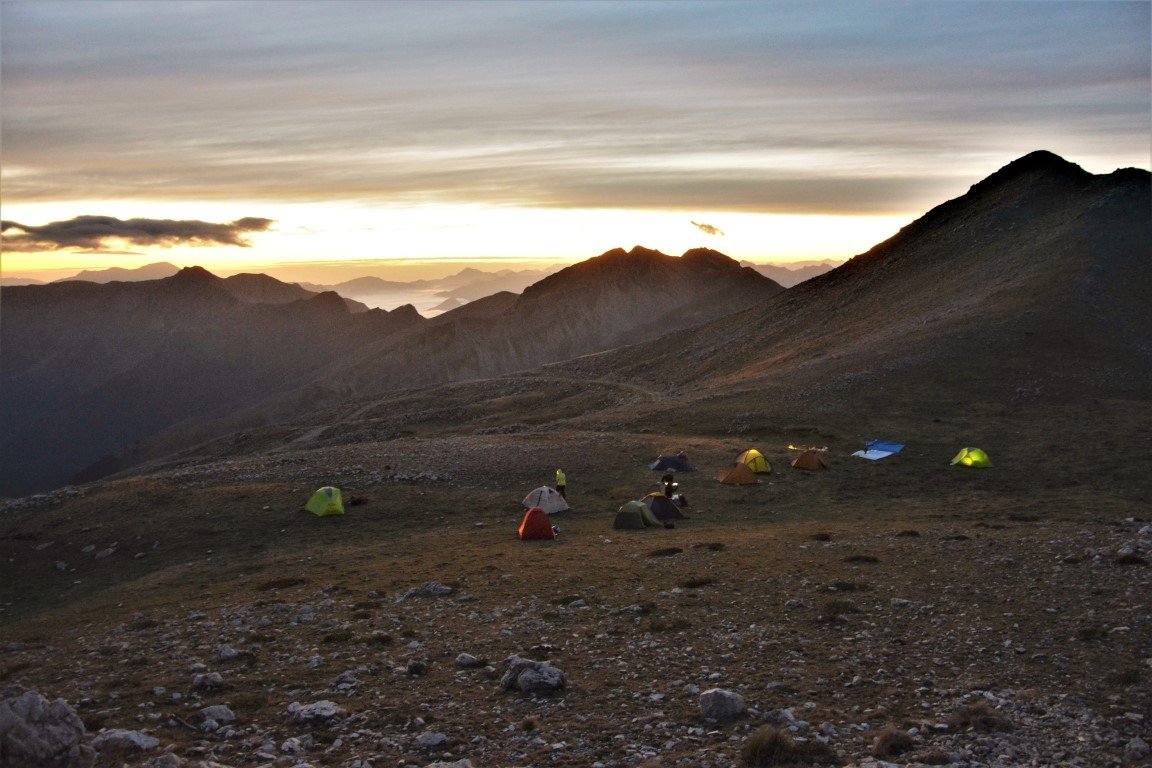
x=739, y=474
x=635, y=516
x=663, y=507
x=547, y=499
x=972, y=457
x=677, y=463
x=535, y=526
x=755, y=461
x=326, y=501
x=809, y=460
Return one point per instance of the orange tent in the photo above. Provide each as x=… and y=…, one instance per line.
x=738, y=475
x=809, y=460
x=535, y=525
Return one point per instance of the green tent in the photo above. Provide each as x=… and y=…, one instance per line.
x=635, y=516
x=326, y=501
x=972, y=457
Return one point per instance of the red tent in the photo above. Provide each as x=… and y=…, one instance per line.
x=535, y=525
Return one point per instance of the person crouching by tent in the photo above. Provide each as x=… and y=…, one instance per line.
x=670, y=486
x=561, y=482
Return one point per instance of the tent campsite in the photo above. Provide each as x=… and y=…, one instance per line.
x=755, y=461
x=635, y=516
x=326, y=501
x=809, y=460
x=662, y=507
x=972, y=457
x=535, y=526
x=739, y=474
x=547, y=499
x=677, y=463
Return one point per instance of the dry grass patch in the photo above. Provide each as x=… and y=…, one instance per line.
x=660, y=624
x=1130, y=558
x=822, y=536
x=891, y=741
x=861, y=559
x=934, y=756
x=979, y=717
x=281, y=583
x=665, y=552
x=848, y=586
x=908, y=534
x=714, y=546
x=696, y=582
x=769, y=746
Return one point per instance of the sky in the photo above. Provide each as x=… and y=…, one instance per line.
x=254, y=135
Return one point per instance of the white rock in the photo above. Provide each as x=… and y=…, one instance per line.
x=221, y=713
x=431, y=740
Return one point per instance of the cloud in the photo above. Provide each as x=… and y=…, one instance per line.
x=708, y=229
x=92, y=233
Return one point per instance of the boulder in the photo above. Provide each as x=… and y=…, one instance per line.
x=720, y=706
x=119, y=740
x=318, y=712
x=528, y=676
x=34, y=731
x=221, y=713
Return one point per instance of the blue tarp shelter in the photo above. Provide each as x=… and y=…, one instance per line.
x=875, y=450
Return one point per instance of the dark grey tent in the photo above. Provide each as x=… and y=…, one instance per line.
x=663, y=508
x=677, y=463
x=635, y=516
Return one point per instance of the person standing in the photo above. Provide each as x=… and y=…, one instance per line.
x=561, y=481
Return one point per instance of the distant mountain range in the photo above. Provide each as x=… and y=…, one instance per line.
x=91, y=369
x=1027, y=292
x=788, y=275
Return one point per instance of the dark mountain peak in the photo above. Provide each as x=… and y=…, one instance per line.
x=1040, y=164
x=328, y=300
x=706, y=257
x=640, y=252
x=406, y=311
x=193, y=276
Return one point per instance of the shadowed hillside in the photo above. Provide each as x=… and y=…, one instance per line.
x=90, y=369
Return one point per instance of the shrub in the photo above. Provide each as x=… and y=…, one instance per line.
x=822, y=536
x=861, y=559
x=834, y=609
x=908, y=534
x=848, y=586
x=1130, y=558
x=934, y=756
x=891, y=741
x=769, y=746
x=979, y=717
x=713, y=546
x=697, y=581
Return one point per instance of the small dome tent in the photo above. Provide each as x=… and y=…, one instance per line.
x=547, y=499
x=972, y=457
x=809, y=460
x=677, y=463
x=739, y=474
x=535, y=526
x=755, y=461
x=635, y=516
x=326, y=501
x=662, y=507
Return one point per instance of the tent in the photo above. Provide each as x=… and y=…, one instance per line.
x=546, y=499
x=740, y=474
x=972, y=457
x=535, y=526
x=755, y=461
x=809, y=460
x=634, y=516
x=677, y=463
x=662, y=507
x=874, y=450
x=326, y=501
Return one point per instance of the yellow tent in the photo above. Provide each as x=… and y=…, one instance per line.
x=755, y=461
x=972, y=457
x=326, y=501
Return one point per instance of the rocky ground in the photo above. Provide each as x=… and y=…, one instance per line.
x=904, y=611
